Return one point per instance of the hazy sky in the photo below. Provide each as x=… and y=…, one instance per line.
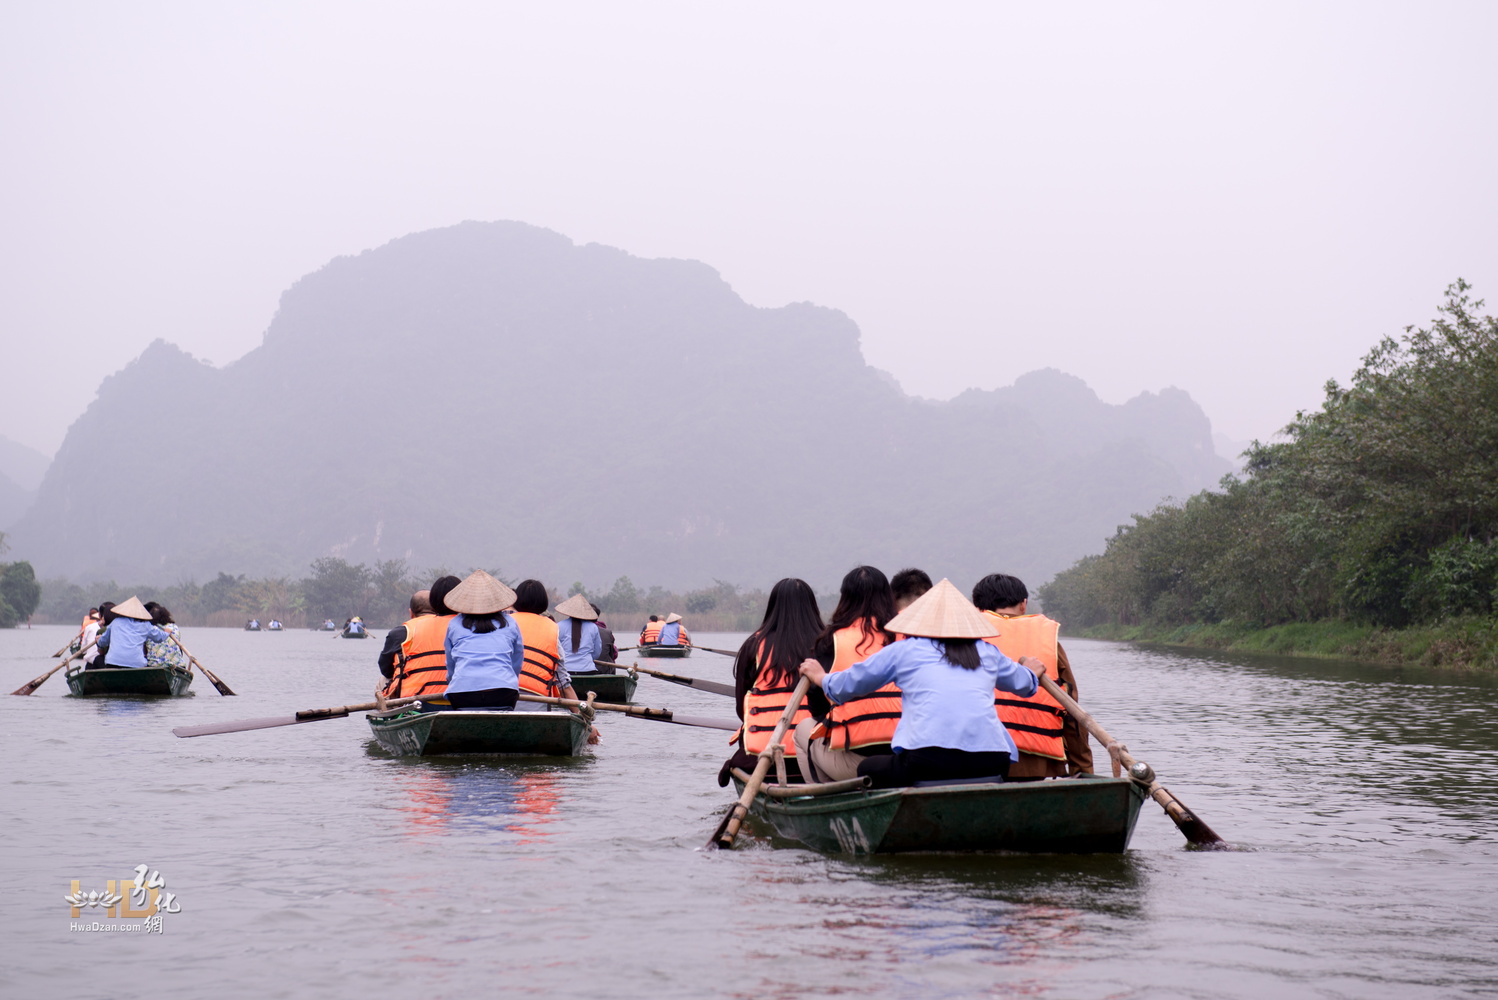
x=1236, y=200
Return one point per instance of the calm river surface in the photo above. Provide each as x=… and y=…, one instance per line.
x=307, y=863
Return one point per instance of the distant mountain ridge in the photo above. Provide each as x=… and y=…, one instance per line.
x=491, y=394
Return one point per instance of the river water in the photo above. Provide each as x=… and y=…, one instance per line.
x=305, y=862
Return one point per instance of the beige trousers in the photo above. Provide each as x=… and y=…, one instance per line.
x=829, y=764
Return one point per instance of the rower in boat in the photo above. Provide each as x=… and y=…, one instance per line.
x=831, y=747
x=578, y=638
x=946, y=677
x=764, y=674
x=166, y=653
x=91, y=633
x=253, y=625
x=542, y=672
x=127, y=629
x=1051, y=743
x=673, y=632
x=483, y=646
x=414, y=659
x=328, y=625
x=274, y=625
x=907, y=585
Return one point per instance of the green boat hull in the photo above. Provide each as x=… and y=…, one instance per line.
x=355, y=635
x=486, y=731
x=665, y=652
x=162, y=682
x=613, y=689
x=1065, y=816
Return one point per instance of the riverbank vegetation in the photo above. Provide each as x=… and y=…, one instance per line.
x=1376, y=519
x=338, y=589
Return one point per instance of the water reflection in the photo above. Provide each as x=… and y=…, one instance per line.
x=442, y=797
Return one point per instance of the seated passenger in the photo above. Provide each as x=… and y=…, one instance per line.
x=127, y=629
x=764, y=674
x=832, y=747
x=673, y=633
x=651, y=633
x=946, y=677
x=907, y=585
x=578, y=637
x=483, y=646
x=89, y=641
x=539, y=674
x=610, y=644
x=1051, y=743
x=165, y=654
x=414, y=658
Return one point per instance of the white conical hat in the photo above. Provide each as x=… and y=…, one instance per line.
x=480, y=594
x=673, y=617
x=943, y=613
x=132, y=609
x=577, y=606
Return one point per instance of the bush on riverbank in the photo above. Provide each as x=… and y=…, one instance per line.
x=1379, y=511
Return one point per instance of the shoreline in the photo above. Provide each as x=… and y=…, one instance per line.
x=1467, y=645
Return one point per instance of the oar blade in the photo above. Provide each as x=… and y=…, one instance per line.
x=240, y=725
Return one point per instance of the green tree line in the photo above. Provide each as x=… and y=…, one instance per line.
x=1380, y=507
x=19, y=591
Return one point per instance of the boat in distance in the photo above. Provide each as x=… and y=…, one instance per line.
x=410, y=733
x=616, y=688
x=1087, y=814
x=666, y=652
x=160, y=682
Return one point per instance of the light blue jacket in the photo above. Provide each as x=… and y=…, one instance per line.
x=481, y=661
x=670, y=634
x=124, y=642
x=943, y=705
x=577, y=661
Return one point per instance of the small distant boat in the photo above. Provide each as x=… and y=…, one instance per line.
x=408, y=733
x=275, y=626
x=328, y=626
x=252, y=626
x=163, y=682
x=355, y=631
x=666, y=652
x=616, y=688
x=1084, y=815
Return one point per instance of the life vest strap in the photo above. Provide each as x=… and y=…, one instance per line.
x=1037, y=730
x=1033, y=706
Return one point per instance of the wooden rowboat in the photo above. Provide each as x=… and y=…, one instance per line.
x=1084, y=815
x=616, y=688
x=409, y=733
x=162, y=682
x=361, y=634
x=666, y=652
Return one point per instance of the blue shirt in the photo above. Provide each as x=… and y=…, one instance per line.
x=670, y=635
x=943, y=705
x=124, y=642
x=580, y=660
x=481, y=661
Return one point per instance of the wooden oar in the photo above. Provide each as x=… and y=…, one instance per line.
x=32, y=685
x=318, y=714
x=1195, y=829
x=222, y=687
x=724, y=835
x=721, y=652
x=692, y=682
x=71, y=641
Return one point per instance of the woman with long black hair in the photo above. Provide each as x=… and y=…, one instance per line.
x=830, y=747
x=947, y=679
x=764, y=672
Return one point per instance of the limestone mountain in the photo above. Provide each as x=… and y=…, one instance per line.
x=492, y=394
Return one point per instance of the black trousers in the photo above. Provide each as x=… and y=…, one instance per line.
x=906, y=767
x=488, y=698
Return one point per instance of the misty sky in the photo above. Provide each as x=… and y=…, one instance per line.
x=1234, y=200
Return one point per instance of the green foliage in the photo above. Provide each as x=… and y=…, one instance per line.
x=19, y=593
x=1381, y=507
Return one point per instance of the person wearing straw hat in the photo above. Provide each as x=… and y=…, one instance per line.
x=578, y=639
x=128, y=628
x=947, y=678
x=483, y=646
x=673, y=632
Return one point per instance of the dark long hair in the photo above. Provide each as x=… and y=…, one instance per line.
x=961, y=652
x=106, y=613
x=441, y=587
x=531, y=597
x=159, y=614
x=866, y=597
x=789, y=631
x=484, y=624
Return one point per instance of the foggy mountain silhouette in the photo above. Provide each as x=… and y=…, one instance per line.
x=491, y=394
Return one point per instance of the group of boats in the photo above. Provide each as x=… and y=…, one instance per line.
x=1088, y=814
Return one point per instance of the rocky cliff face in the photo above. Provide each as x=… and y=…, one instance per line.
x=494, y=395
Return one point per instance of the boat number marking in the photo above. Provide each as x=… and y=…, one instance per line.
x=852, y=839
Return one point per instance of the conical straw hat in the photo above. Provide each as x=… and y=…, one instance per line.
x=480, y=594
x=673, y=617
x=132, y=609
x=943, y=613
x=577, y=606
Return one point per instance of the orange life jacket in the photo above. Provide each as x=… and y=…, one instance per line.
x=538, y=674
x=1034, y=722
x=762, y=711
x=421, y=665
x=650, y=633
x=867, y=719
x=682, y=638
